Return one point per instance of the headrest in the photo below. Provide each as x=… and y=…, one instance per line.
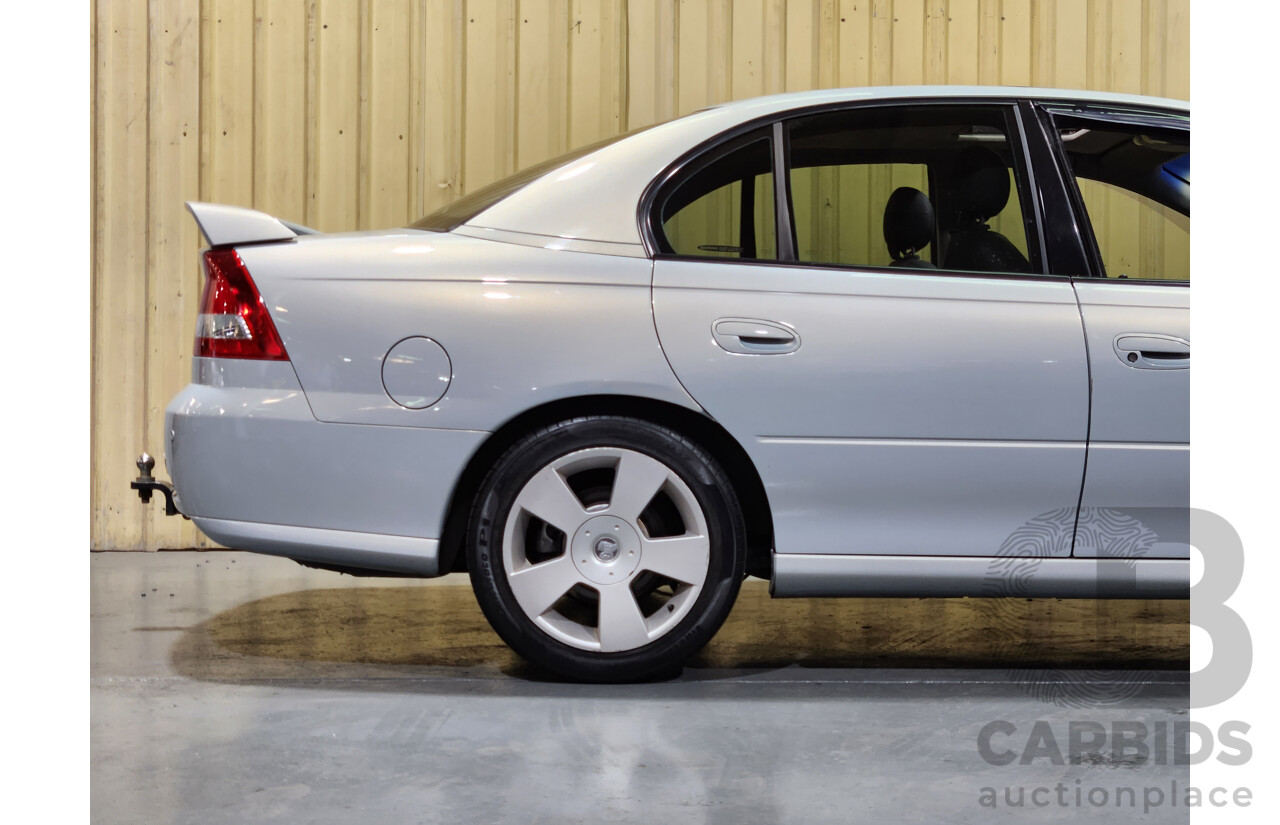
x=979, y=185
x=908, y=222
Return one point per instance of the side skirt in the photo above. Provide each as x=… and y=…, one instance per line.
x=807, y=575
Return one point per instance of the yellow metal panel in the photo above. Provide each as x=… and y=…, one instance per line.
x=1126, y=46
x=119, y=281
x=828, y=44
x=854, y=43
x=747, y=52
x=719, y=50
x=643, y=63
x=385, y=170
x=989, y=42
x=174, y=276
x=438, y=126
x=280, y=108
x=361, y=113
x=335, y=140
x=542, y=77
x=597, y=75
x=881, y=42
x=1177, y=48
x=908, y=42
x=801, y=45
x=1098, y=44
x=651, y=62
x=1015, y=42
x=1070, y=24
x=935, y=42
x=963, y=25
x=775, y=34
x=227, y=98
x=489, y=150
x=691, y=57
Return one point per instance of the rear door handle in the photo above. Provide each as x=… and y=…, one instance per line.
x=746, y=336
x=1152, y=351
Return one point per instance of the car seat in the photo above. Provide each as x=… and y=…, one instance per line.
x=908, y=227
x=979, y=192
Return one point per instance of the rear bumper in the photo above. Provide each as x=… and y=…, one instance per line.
x=343, y=548
x=255, y=470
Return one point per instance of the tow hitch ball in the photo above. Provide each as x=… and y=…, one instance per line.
x=145, y=484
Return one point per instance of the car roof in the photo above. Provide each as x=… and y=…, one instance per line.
x=594, y=198
x=818, y=97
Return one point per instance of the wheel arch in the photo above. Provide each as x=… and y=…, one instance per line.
x=695, y=425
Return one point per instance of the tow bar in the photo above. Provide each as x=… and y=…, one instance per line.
x=145, y=484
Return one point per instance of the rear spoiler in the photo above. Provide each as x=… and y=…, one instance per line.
x=224, y=225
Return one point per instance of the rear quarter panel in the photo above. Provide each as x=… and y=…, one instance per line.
x=522, y=326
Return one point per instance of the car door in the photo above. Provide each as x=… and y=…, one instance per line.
x=1128, y=177
x=895, y=402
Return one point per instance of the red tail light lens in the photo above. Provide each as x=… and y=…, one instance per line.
x=233, y=322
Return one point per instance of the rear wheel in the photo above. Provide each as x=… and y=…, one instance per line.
x=606, y=548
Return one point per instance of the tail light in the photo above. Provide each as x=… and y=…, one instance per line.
x=233, y=321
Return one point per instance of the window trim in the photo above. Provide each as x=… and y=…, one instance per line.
x=739, y=139
x=784, y=226
x=1122, y=118
x=1033, y=218
x=1024, y=178
x=1062, y=235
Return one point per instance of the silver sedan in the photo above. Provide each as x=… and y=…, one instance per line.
x=926, y=341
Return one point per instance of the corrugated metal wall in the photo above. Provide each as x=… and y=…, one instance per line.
x=346, y=114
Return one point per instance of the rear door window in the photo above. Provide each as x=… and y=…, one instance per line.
x=921, y=187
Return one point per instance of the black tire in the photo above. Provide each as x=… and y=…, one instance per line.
x=726, y=555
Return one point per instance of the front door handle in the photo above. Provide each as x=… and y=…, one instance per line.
x=746, y=336
x=1152, y=351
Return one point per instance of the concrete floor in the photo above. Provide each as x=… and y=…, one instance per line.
x=228, y=687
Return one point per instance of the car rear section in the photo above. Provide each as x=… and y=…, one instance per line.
x=342, y=384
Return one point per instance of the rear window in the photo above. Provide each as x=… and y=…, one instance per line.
x=455, y=214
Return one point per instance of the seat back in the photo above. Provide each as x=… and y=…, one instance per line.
x=979, y=192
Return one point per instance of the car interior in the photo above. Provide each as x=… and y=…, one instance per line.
x=925, y=188
x=1156, y=165
x=1134, y=181
x=935, y=183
